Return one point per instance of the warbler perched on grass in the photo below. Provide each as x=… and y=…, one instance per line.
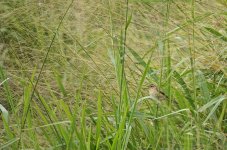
x=156, y=93
x=159, y=96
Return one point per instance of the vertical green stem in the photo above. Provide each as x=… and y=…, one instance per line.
x=168, y=63
x=192, y=61
x=192, y=50
x=122, y=58
x=168, y=52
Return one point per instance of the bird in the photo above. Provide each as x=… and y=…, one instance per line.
x=159, y=96
x=156, y=94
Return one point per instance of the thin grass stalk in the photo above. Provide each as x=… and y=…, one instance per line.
x=192, y=62
x=122, y=58
x=168, y=52
x=192, y=49
x=168, y=68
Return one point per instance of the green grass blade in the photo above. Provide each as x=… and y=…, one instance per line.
x=7, y=90
x=182, y=83
x=143, y=63
x=212, y=111
x=60, y=84
x=99, y=121
x=9, y=143
x=203, y=87
x=212, y=102
x=216, y=33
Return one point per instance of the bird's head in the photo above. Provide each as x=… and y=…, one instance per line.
x=152, y=86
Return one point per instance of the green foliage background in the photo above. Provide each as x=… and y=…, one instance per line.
x=76, y=74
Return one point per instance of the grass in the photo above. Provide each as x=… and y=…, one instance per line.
x=74, y=75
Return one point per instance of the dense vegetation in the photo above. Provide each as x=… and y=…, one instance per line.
x=75, y=74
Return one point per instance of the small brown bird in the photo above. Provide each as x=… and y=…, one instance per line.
x=156, y=93
x=159, y=96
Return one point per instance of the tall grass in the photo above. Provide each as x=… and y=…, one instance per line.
x=74, y=75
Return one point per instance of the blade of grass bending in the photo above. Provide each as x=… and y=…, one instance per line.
x=42, y=67
x=212, y=102
x=170, y=114
x=218, y=101
x=9, y=143
x=216, y=33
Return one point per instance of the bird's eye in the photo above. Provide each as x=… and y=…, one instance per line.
x=152, y=85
